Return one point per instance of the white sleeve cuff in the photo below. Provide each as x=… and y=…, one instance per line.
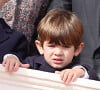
x=5, y=56
x=86, y=76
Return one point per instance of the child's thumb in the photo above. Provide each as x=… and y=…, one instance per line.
x=25, y=65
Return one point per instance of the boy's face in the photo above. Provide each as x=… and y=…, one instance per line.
x=55, y=55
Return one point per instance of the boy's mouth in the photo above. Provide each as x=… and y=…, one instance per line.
x=57, y=61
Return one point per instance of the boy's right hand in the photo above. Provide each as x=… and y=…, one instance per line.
x=11, y=64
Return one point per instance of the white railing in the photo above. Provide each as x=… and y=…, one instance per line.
x=27, y=79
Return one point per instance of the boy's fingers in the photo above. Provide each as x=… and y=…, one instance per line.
x=57, y=72
x=16, y=66
x=64, y=76
x=69, y=78
x=4, y=62
x=11, y=67
x=7, y=66
x=74, y=77
x=25, y=65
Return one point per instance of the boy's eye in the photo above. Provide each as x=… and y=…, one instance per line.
x=66, y=46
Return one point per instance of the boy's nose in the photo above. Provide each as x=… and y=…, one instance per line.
x=58, y=51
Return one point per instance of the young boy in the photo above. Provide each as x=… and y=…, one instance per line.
x=59, y=42
x=13, y=46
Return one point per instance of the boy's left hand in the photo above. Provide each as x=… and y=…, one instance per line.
x=69, y=75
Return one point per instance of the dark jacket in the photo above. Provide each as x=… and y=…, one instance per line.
x=39, y=63
x=11, y=42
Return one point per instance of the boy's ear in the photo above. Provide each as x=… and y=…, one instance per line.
x=39, y=46
x=79, y=49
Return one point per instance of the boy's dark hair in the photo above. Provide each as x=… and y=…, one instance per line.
x=60, y=27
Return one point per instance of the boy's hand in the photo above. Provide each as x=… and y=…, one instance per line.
x=11, y=64
x=69, y=75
